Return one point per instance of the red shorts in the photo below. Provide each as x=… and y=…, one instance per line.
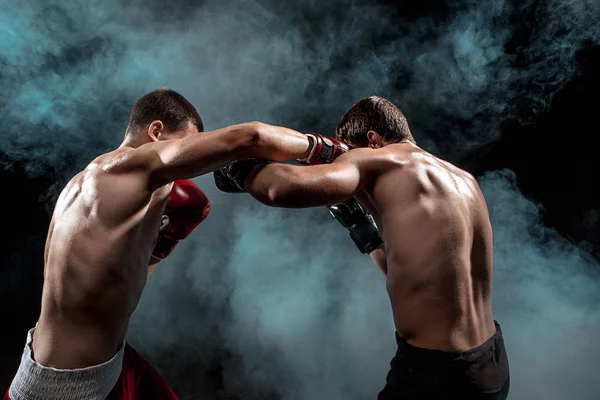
x=138, y=381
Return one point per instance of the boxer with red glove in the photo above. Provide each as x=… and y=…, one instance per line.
x=186, y=208
x=102, y=236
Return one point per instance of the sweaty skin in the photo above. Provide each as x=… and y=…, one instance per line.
x=437, y=252
x=104, y=226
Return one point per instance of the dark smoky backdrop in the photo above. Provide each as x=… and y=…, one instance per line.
x=264, y=303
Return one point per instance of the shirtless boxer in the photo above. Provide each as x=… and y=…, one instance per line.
x=435, y=247
x=103, y=232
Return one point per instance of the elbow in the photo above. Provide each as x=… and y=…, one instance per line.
x=275, y=196
x=272, y=195
x=272, y=185
x=282, y=190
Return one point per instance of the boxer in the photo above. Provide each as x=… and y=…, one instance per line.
x=112, y=224
x=187, y=206
x=425, y=224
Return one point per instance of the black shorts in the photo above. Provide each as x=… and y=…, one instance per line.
x=478, y=373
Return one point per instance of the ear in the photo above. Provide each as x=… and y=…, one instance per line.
x=155, y=130
x=375, y=140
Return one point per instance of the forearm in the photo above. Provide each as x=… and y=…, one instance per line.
x=277, y=143
x=152, y=264
x=195, y=155
x=379, y=258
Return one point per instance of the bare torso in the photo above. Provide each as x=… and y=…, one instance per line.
x=99, y=243
x=438, y=248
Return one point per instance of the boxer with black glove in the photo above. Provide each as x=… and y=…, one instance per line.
x=437, y=257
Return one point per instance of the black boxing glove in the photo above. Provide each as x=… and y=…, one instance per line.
x=231, y=178
x=324, y=149
x=359, y=222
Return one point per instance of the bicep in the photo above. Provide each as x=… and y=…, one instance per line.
x=292, y=186
x=326, y=184
x=198, y=154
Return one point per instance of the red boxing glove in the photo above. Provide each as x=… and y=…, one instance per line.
x=324, y=149
x=186, y=208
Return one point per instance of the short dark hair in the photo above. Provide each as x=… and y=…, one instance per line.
x=376, y=114
x=166, y=105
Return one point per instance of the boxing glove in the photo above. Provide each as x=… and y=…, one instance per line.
x=359, y=222
x=324, y=149
x=186, y=208
x=231, y=178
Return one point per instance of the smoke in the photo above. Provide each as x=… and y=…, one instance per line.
x=70, y=73
x=281, y=299
x=546, y=296
x=302, y=315
x=306, y=316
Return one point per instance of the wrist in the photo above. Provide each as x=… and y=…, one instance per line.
x=154, y=260
x=311, y=146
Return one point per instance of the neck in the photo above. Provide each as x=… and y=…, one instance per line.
x=130, y=142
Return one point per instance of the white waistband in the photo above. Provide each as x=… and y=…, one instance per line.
x=33, y=381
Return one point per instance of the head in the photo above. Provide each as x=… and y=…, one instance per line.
x=160, y=115
x=373, y=122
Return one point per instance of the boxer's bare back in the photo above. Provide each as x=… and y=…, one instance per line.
x=105, y=224
x=438, y=247
x=99, y=243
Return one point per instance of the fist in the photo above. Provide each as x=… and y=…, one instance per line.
x=359, y=222
x=186, y=208
x=324, y=149
x=231, y=178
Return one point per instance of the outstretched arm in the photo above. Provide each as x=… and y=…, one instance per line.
x=330, y=184
x=291, y=186
x=194, y=155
